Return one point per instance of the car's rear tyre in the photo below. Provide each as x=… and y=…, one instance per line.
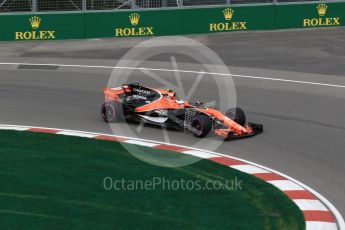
x=112, y=111
x=201, y=126
x=237, y=115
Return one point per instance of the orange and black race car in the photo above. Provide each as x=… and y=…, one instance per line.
x=161, y=107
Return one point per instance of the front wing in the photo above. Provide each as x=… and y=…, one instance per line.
x=256, y=129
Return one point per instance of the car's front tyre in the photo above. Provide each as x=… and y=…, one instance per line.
x=201, y=126
x=112, y=111
x=237, y=114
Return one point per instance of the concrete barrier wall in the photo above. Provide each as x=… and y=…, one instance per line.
x=169, y=22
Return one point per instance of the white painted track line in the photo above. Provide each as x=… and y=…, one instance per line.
x=181, y=71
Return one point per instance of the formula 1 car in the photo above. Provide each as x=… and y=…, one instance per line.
x=161, y=107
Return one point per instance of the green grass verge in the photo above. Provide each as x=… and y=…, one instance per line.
x=56, y=182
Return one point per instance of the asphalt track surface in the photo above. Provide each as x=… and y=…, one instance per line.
x=304, y=124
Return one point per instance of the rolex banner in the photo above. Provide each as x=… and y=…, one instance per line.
x=139, y=23
x=133, y=23
x=310, y=15
x=228, y=19
x=41, y=27
x=177, y=22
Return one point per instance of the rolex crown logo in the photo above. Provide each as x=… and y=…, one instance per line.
x=321, y=9
x=35, y=22
x=134, y=19
x=228, y=13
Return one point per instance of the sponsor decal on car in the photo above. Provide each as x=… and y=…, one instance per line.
x=142, y=91
x=117, y=88
x=139, y=97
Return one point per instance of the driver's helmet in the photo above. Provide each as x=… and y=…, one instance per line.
x=171, y=94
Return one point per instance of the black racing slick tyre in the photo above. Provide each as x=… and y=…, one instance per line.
x=237, y=115
x=112, y=111
x=201, y=126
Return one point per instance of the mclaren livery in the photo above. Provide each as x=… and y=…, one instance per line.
x=161, y=107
